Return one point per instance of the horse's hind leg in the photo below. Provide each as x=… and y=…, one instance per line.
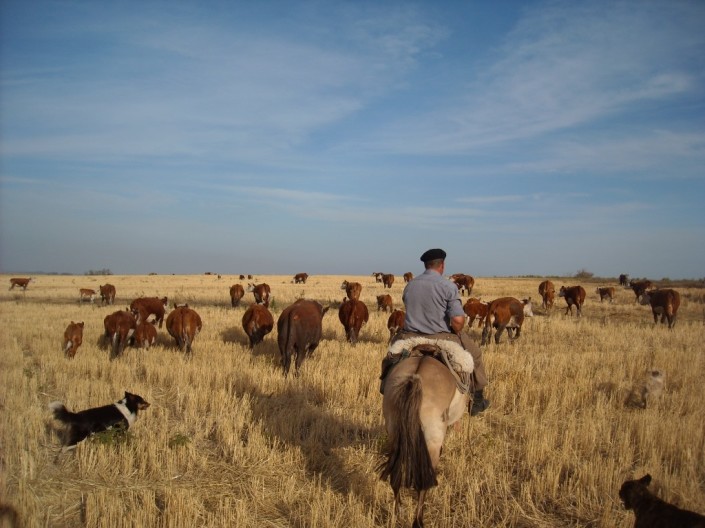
x=418, y=516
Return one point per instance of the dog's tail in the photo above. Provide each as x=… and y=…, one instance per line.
x=60, y=411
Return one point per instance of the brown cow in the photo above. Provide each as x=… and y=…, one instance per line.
x=664, y=303
x=86, y=294
x=408, y=276
x=22, y=283
x=353, y=314
x=300, y=326
x=107, y=294
x=476, y=309
x=145, y=334
x=150, y=306
x=605, y=293
x=183, y=324
x=395, y=323
x=624, y=280
x=300, y=278
x=261, y=293
x=385, y=303
x=257, y=323
x=237, y=292
x=547, y=291
x=506, y=312
x=639, y=287
x=242, y=277
x=352, y=289
x=463, y=282
x=73, y=337
x=119, y=328
x=573, y=295
x=387, y=280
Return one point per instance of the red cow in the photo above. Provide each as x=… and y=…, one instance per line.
x=86, y=294
x=119, y=328
x=145, y=334
x=387, y=280
x=352, y=289
x=605, y=293
x=639, y=287
x=463, y=282
x=385, y=303
x=257, y=323
x=573, y=295
x=664, y=303
x=395, y=323
x=183, y=324
x=353, y=315
x=237, y=292
x=506, y=312
x=73, y=337
x=261, y=293
x=408, y=276
x=476, y=309
x=300, y=326
x=547, y=291
x=300, y=278
x=147, y=306
x=22, y=283
x=107, y=294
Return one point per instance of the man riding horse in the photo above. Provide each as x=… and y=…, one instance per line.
x=435, y=317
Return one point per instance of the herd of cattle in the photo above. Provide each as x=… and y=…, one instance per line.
x=300, y=324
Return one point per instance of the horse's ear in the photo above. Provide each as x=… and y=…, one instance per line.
x=646, y=479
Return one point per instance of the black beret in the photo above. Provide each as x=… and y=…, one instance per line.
x=433, y=254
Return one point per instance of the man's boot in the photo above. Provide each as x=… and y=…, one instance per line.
x=479, y=403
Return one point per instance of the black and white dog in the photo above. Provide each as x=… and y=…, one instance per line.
x=84, y=423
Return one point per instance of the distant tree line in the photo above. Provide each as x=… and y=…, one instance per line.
x=104, y=271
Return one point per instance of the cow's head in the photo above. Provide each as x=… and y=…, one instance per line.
x=645, y=298
x=528, y=312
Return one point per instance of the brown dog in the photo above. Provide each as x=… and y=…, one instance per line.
x=652, y=512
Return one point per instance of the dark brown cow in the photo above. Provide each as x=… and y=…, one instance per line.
x=184, y=324
x=145, y=334
x=300, y=326
x=257, y=323
x=353, y=314
x=395, y=323
x=476, y=309
x=547, y=291
x=639, y=287
x=573, y=295
x=606, y=292
x=147, y=306
x=261, y=293
x=352, y=289
x=408, y=276
x=73, y=337
x=653, y=512
x=107, y=294
x=463, y=282
x=388, y=280
x=300, y=278
x=242, y=277
x=624, y=280
x=506, y=312
x=664, y=303
x=119, y=328
x=86, y=294
x=237, y=292
x=385, y=303
x=377, y=275
x=22, y=283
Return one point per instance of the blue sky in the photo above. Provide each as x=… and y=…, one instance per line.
x=348, y=137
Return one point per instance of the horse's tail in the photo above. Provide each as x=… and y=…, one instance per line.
x=408, y=462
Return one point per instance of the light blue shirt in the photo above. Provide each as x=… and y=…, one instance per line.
x=431, y=301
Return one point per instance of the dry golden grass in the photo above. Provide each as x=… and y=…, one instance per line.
x=229, y=442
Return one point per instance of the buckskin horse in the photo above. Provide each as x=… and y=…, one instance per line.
x=421, y=399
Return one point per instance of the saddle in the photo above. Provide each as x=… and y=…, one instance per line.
x=452, y=355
